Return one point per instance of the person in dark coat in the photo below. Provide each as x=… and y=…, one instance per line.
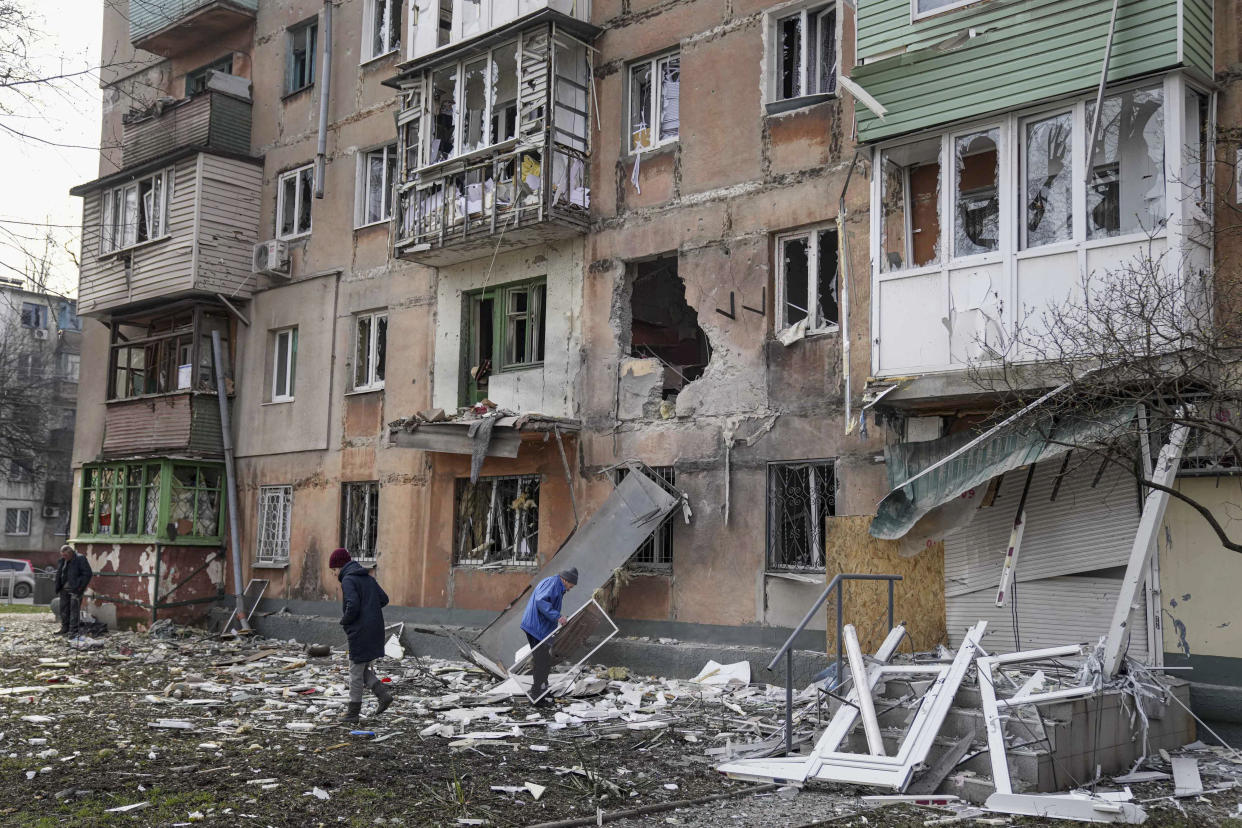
x=542, y=617
x=73, y=575
x=362, y=603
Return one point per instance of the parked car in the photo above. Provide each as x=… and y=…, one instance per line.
x=20, y=574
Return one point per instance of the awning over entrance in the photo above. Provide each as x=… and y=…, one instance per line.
x=929, y=474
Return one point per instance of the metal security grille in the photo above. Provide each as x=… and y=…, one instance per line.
x=657, y=550
x=801, y=497
x=360, y=519
x=497, y=521
x=275, y=512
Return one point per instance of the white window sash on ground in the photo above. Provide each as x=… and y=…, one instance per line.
x=806, y=279
x=293, y=202
x=370, y=350
x=135, y=212
x=17, y=521
x=284, y=364
x=275, y=519
x=377, y=171
x=803, y=46
x=381, y=28
x=654, y=102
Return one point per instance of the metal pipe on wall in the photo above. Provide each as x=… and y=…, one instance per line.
x=325, y=95
x=226, y=435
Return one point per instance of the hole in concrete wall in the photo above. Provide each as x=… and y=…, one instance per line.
x=664, y=326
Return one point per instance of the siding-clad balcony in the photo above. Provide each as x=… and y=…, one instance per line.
x=210, y=120
x=184, y=423
x=167, y=27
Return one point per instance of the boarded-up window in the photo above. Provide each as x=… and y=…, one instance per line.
x=360, y=519
x=497, y=521
x=801, y=497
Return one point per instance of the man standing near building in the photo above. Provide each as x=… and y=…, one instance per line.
x=362, y=603
x=73, y=575
x=542, y=617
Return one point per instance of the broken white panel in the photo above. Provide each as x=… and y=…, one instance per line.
x=715, y=674
x=1186, y=779
x=393, y=648
x=1076, y=805
x=571, y=640
x=974, y=321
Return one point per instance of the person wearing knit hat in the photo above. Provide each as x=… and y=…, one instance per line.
x=541, y=619
x=362, y=616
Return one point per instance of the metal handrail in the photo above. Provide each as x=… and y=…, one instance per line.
x=786, y=650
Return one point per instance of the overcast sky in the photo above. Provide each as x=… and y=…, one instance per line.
x=37, y=174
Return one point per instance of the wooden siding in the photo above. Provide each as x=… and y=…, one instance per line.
x=210, y=119
x=149, y=16
x=218, y=197
x=171, y=422
x=1026, y=51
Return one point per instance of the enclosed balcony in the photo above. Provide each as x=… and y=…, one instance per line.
x=167, y=27
x=486, y=163
x=213, y=119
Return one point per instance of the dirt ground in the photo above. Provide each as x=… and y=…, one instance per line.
x=249, y=738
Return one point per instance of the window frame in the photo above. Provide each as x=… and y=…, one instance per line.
x=916, y=15
x=371, y=518
x=270, y=497
x=112, y=224
x=525, y=483
x=490, y=141
x=373, y=382
x=289, y=370
x=169, y=337
x=655, y=103
x=805, y=10
x=362, y=188
x=39, y=314
x=222, y=64
x=536, y=314
x=291, y=34
x=812, y=234
x=90, y=509
x=296, y=173
x=770, y=551
x=370, y=24
x=17, y=512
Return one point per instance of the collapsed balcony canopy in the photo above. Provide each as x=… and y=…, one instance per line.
x=454, y=437
x=935, y=472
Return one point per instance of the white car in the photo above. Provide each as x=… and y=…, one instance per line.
x=20, y=574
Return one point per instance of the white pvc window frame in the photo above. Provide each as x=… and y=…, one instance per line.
x=814, y=247
x=369, y=368
x=364, y=216
x=658, y=102
x=374, y=45
x=490, y=74
x=813, y=83
x=284, y=366
x=303, y=185
x=121, y=207
x=564, y=680
x=275, y=525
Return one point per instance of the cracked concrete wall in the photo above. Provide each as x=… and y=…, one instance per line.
x=715, y=199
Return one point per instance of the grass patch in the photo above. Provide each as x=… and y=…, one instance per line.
x=29, y=609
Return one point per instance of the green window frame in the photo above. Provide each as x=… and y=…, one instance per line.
x=138, y=501
x=506, y=331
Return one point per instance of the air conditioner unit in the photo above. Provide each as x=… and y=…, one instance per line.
x=272, y=258
x=51, y=511
x=40, y=333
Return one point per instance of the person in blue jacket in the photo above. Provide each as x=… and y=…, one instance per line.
x=542, y=617
x=362, y=616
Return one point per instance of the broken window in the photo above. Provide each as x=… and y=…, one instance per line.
x=474, y=103
x=445, y=32
x=805, y=51
x=382, y=27
x=657, y=551
x=125, y=499
x=284, y=363
x=293, y=202
x=275, y=514
x=370, y=350
x=664, y=326
x=1047, y=181
x=300, y=48
x=360, y=519
x=801, y=498
x=507, y=330
x=497, y=521
x=655, y=102
x=196, y=81
x=156, y=355
x=135, y=212
x=377, y=172
x=34, y=315
x=1126, y=190
x=977, y=198
x=410, y=137
x=1198, y=151
x=194, y=500
x=444, y=113
x=502, y=101
x=17, y=521
x=806, y=279
x=910, y=204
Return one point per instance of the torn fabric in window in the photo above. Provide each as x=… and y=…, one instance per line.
x=977, y=220
x=910, y=201
x=670, y=97
x=1126, y=190
x=1047, y=181
x=497, y=521
x=640, y=107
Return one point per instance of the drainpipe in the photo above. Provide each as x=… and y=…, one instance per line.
x=226, y=435
x=844, y=259
x=325, y=94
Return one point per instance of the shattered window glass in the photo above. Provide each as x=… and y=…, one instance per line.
x=504, y=93
x=293, y=201
x=379, y=169
x=806, y=53
x=910, y=206
x=801, y=498
x=795, y=262
x=655, y=102
x=497, y=521
x=474, y=133
x=1047, y=181
x=670, y=97
x=789, y=32
x=360, y=519
x=370, y=350
x=300, y=69
x=640, y=107
x=194, y=501
x=1125, y=193
x=385, y=26
x=977, y=225
x=444, y=112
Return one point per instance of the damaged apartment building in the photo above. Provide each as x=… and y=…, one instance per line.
x=482, y=281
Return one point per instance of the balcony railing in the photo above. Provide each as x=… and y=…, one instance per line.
x=211, y=120
x=167, y=27
x=185, y=422
x=462, y=206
